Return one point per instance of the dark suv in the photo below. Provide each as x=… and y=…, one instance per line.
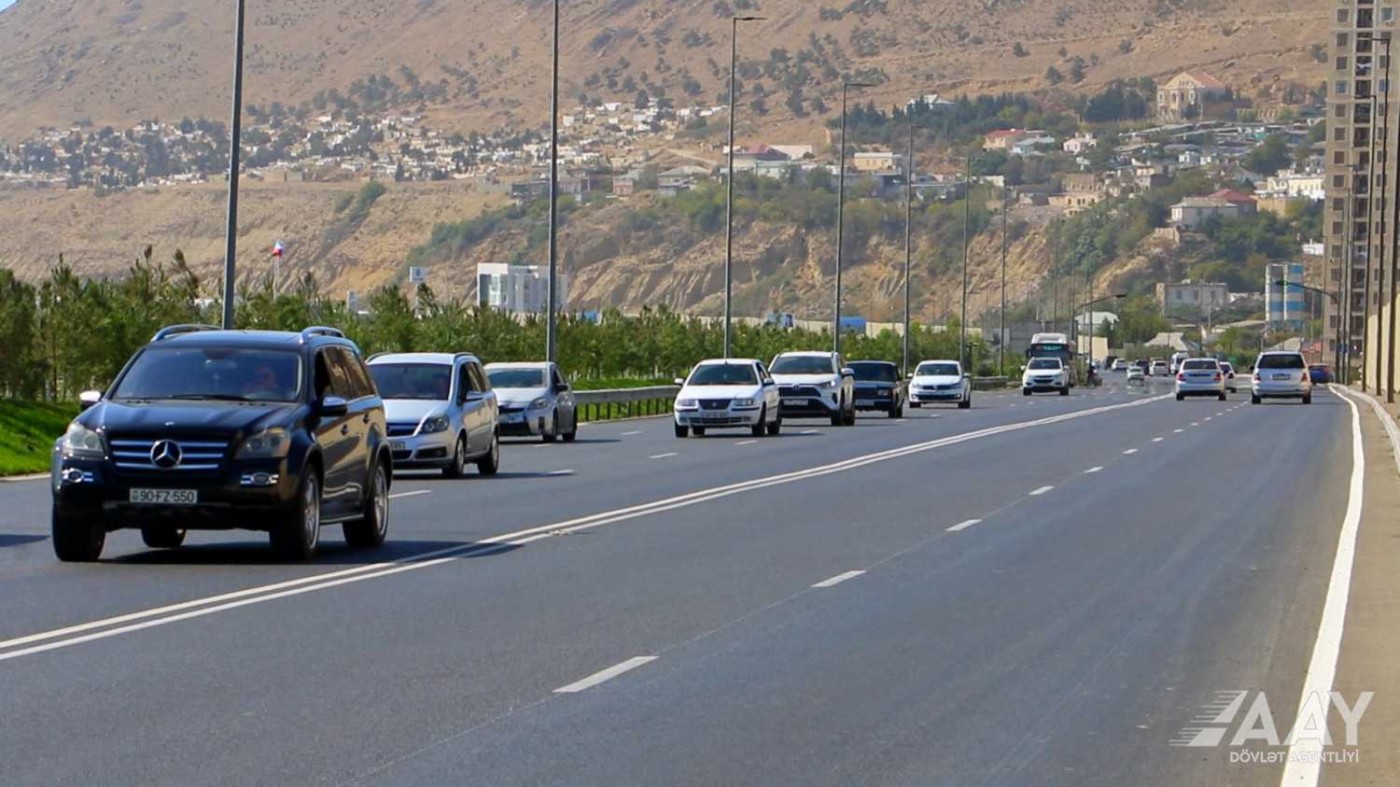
x=218, y=430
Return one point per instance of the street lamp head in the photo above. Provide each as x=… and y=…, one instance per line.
x=859, y=84
x=749, y=18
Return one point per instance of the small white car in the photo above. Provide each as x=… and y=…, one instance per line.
x=1120, y=365
x=1229, y=371
x=940, y=381
x=1200, y=377
x=1159, y=369
x=535, y=400
x=441, y=411
x=1045, y=374
x=1135, y=374
x=728, y=393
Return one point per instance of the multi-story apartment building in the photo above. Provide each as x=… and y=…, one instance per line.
x=1359, y=108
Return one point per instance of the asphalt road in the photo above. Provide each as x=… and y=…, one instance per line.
x=1039, y=590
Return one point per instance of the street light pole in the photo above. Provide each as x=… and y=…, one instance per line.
x=1393, y=188
x=235, y=148
x=841, y=215
x=908, y=241
x=729, y=200
x=551, y=340
x=967, y=240
x=1001, y=340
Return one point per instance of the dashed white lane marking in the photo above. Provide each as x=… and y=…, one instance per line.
x=1130, y=451
x=1178, y=431
x=1158, y=439
x=1210, y=418
x=1093, y=470
x=838, y=579
x=961, y=526
x=746, y=442
x=1195, y=423
x=1041, y=491
x=811, y=431
x=632, y=434
x=414, y=493
x=562, y=472
x=666, y=455
x=606, y=675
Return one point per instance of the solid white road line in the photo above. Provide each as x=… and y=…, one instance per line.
x=1093, y=470
x=838, y=579
x=1304, y=763
x=606, y=675
x=961, y=526
x=414, y=493
x=1130, y=451
x=1042, y=490
x=69, y=636
x=664, y=456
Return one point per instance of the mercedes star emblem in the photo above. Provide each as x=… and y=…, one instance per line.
x=165, y=454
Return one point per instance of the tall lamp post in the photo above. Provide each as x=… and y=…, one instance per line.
x=1001, y=339
x=841, y=213
x=235, y=148
x=551, y=340
x=1393, y=189
x=967, y=241
x=908, y=238
x=729, y=201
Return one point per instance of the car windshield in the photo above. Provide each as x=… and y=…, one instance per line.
x=724, y=374
x=802, y=364
x=875, y=372
x=1045, y=363
x=516, y=378
x=937, y=370
x=1281, y=361
x=425, y=381
x=235, y=374
x=1200, y=363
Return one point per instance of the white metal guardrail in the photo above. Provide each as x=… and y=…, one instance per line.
x=625, y=402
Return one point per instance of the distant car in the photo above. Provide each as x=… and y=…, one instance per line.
x=879, y=387
x=940, y=381
x=1281, y=375
x=1159, y=369
x=535, y=400
x=441, y=410
x=1145, y=366
x=1045, y=374
x=1120, y=365
x=1320, y=374
x=1136, y=375
x=728, y=393
x=1229, y=371
x=815, y=385
x=1200, y=377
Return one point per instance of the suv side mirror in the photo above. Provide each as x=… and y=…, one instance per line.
x=87, y=399
x=848, y=372
x=768, y=381
x=334, y=406
x=680, y=381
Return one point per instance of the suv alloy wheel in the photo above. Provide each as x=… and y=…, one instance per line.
x=299, y=534
x=370, y=529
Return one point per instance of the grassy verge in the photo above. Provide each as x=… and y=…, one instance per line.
x=27, y=432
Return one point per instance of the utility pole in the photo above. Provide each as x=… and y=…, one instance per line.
x=1393, y=189
x=1001, y=339
x=551, y=339
x=967, y=240
x=841, y=215
x=1379, y=187
x=1370, y=248
x=729, y=201
x=908, y=241
x=235, y=148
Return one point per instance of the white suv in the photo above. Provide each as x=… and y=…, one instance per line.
x=815, y=385
x=1045, y=374
x=1281, y=375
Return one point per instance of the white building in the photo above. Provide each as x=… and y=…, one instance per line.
x=518, y=288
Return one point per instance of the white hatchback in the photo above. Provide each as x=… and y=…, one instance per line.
x=728, y=393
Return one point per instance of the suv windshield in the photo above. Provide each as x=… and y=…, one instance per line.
x=1282, y=361
x=802, y=364
x=426, y=381
x=237, y=374
x=875, y=372
x=1045, y=363
x=724, y=374
x=937, y=370
x=516, y=378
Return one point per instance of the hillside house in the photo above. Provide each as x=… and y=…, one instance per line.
x=1186, y=93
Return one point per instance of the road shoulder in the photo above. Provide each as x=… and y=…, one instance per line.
x=1372, y=635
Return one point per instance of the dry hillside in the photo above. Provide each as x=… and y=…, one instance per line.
x=115, y=61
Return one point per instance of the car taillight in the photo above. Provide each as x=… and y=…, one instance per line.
x=1257, y=378
x=1217, y=377
x=1181, y=376
x=1305, y=378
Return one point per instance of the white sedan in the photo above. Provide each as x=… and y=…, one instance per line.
x=728, y=393
x=940, y=381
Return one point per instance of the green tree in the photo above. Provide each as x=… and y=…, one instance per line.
x=1269, y=156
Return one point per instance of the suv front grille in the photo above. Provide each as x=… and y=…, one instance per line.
x=173, y=454
x=799, y=390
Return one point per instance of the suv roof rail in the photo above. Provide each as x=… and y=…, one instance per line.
x=176, y=330
x=321, y=330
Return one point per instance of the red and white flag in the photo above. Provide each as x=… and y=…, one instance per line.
x=278, y=249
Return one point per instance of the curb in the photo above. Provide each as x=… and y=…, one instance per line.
x=1391, y=429
x=15, y=479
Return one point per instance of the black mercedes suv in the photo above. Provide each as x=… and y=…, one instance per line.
x=218, y=430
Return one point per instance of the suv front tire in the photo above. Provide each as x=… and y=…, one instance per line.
x=370, y=529
x=76, y=540
x=299, y=534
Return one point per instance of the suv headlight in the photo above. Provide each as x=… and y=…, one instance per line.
x=437, y=423
x=539, y=404
x=271, y=443
x=80, y=442
x=686, y=404
x=826, y=384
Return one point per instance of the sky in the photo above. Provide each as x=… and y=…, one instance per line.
x=6, y=4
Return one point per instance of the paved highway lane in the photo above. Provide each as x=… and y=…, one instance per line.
x=1046, y=605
